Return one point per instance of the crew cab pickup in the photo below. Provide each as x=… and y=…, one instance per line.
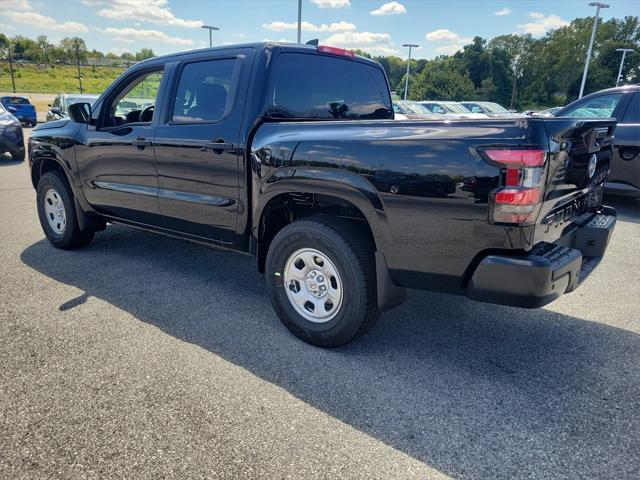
x=291, y=153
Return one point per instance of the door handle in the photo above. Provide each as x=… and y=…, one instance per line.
x=219, y=146
x=141, y=143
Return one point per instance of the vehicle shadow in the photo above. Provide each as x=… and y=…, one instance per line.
x=628, y=208
x=476, y=391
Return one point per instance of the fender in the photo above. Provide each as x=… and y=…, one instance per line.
x=340, y=184
x=44, y=149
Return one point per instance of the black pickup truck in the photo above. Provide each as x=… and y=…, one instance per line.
x=291, y=153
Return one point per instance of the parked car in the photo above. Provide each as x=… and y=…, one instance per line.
x=547, y=112
x=58, y=109
x=11, y=139
x=21, y=108
x=491, y=109
x=408, y=109
x=622, y=103
x=275, y=150
x=450, y=109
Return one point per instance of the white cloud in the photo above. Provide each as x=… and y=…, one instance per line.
x=444, y=35
x=131, y=34
x=282, y=40
x=391, y=8
x=154, y=11
x=503, y=12
x=451, y=41
x=44, y=22
x=378, y=43
x=542, y=23
x=332, y=3
x=309, y=27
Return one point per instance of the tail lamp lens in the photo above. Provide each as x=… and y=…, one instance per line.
x=518, y=199
x=517, y=158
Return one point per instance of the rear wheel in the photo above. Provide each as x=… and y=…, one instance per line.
x=321, y=280
x=57, y=213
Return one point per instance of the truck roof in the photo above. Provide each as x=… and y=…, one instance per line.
x=268, y=45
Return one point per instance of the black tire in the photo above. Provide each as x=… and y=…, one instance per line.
x=352, y=253
x=18, y=156
x=72, y=237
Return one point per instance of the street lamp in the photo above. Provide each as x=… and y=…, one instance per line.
x=624, y=53
x=406, y=82
x=598, y=6
x=299, y=21
x=211, y=29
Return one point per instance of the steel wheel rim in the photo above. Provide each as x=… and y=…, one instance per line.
x=313, y=285
x=55, y=211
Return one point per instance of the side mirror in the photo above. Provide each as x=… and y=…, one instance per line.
x=56, y=110
x=12, y=109
x=80, y=112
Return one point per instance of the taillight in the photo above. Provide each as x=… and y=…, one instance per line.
x=520, y=194
x=336, y=51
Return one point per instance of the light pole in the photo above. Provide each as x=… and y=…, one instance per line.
x=598, y=6
x=624, y=53
x=211, y=29
x=406, y=82
x=299, y=21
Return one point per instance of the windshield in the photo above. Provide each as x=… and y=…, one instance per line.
x=413, y=107
x=81, y=98
x=455, y=108
x=2, y=109
x=495, y=108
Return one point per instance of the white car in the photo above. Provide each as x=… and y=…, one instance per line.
x=450, y=109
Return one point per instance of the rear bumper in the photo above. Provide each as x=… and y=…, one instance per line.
x=547, y=272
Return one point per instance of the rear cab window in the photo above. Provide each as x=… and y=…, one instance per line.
x=316, y=86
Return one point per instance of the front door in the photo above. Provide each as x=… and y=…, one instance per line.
x=116, y=162
x=197, y=147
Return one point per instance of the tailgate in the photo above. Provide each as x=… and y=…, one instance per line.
x=580, y=154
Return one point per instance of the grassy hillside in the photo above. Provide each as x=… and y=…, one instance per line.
x=57, y=79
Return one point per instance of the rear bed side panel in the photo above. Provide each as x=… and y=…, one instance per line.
x=431, y=183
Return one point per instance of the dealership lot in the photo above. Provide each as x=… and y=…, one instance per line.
x=142, y=356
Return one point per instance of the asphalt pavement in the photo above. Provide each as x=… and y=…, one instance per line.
x=142, y=356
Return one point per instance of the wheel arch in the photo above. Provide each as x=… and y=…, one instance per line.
x=278, y=207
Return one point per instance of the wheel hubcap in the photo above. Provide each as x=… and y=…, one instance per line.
x=55, y=211
x=313, y=285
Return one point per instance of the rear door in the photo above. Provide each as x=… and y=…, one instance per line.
x=197, y=145
x=625, y=164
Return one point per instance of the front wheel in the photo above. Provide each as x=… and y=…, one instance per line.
x=57, y=213
x=321, y=280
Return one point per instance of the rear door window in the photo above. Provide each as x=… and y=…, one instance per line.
x=318, y=86
x=206, y=91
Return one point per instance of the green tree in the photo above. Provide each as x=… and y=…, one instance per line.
x=144, y=53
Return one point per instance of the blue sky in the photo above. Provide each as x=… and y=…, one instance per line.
x=377, y=26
